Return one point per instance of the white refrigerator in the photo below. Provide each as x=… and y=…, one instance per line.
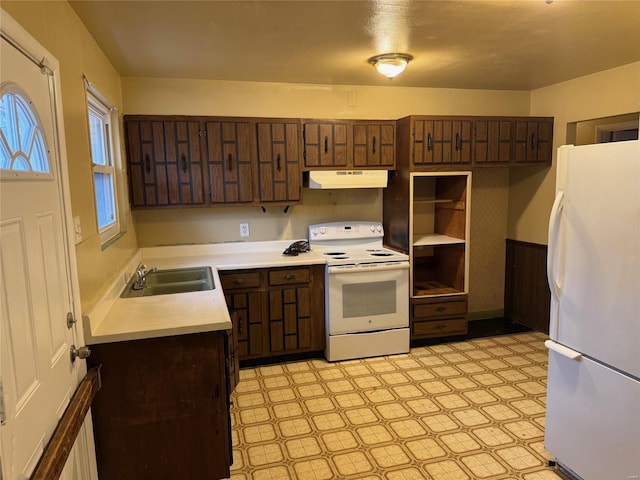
x=593, y=263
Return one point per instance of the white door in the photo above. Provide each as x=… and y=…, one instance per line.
x=38, y=377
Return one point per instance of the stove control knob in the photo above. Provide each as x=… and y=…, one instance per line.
x=314, y=232
x=323, y=230
x=379, y=228
x=372, y=228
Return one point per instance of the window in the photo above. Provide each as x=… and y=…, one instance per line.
x=22, y=145
x=104, y=160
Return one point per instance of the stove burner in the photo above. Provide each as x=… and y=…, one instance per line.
x=382, y=254
x=334, y=253
x=339, y=257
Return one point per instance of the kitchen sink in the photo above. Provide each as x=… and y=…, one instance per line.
x=166, y=282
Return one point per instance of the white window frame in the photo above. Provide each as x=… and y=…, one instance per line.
x=98, y=106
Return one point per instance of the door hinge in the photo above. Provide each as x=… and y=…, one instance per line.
x=3, y=412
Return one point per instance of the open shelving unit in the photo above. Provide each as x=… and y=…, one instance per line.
x=426, y=215
x=439, y=228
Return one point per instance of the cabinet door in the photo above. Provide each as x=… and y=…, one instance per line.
x=493, y=142
x=165, y=164
x=231, y=355
x=534, y=141
x=374, y=144
x=229, y=161
x=159, y=399
x=279, y=177
x=247, y=310
x=441, y=142
x=527, y=298
x=326, y=145
x=289, y=319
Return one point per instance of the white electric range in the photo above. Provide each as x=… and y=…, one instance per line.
x=367, y=291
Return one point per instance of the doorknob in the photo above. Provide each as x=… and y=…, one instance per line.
x=82, y=352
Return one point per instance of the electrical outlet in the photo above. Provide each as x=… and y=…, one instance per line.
x=244, y=229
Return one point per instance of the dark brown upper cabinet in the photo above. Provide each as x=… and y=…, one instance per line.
x=348, y=144
x=279, y=175
x=437, y=141
x=534, y=140
x=164, y=162
x=494, y=142
x=459, y=143
x=229, y=161
x=374, y=144
x=326, y=144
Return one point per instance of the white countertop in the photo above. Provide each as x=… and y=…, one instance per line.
x=117, y=319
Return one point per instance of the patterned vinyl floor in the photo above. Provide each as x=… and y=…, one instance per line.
x=467, y=410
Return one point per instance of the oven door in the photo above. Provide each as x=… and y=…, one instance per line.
x=366, y=298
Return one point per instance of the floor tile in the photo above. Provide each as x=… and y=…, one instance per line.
x=456, y=411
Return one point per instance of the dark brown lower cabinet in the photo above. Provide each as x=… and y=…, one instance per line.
x=527, y=296
x=162, y=411
x=276, y=311
x=435, y=317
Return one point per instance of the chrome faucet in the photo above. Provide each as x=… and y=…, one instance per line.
x=141, y=276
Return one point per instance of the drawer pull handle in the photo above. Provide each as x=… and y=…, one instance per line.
x=441, y=309
x=239, y=281
x=278, y=161
x=230, y=162
x=458, y=141
x=441, y=326
x=147, y=163
x=289, y=276
x=429, y=142
x=326, y=144
x=374, y=144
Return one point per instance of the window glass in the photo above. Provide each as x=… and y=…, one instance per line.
x=104, y=172
x=105, y=201
x=22, y=144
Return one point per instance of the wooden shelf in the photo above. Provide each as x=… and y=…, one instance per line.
x=432, y=200
x=435, y=239
x=440, y=203
x=425, y=289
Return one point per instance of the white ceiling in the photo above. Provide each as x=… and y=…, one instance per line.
x=498, y=44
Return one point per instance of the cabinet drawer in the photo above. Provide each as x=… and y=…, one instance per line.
x=439, y=309
x=231, y=281
x=290, y=275
x=439, y=328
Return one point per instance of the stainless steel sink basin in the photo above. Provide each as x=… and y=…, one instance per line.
x=177, y=280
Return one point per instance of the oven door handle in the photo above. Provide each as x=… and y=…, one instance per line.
x=368, y=267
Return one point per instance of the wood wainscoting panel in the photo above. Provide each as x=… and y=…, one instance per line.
x=527, y=296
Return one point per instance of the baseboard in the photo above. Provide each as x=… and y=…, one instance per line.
x=471, y=316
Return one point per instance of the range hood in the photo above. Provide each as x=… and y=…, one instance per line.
x=322, y=179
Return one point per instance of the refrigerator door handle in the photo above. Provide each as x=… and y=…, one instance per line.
x=553, y=247
x=562, y=350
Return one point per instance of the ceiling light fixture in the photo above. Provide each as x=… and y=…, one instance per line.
x=390, y=64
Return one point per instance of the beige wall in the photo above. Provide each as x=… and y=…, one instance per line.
x=253, y=99
x=56, y=26
x=612, y=92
